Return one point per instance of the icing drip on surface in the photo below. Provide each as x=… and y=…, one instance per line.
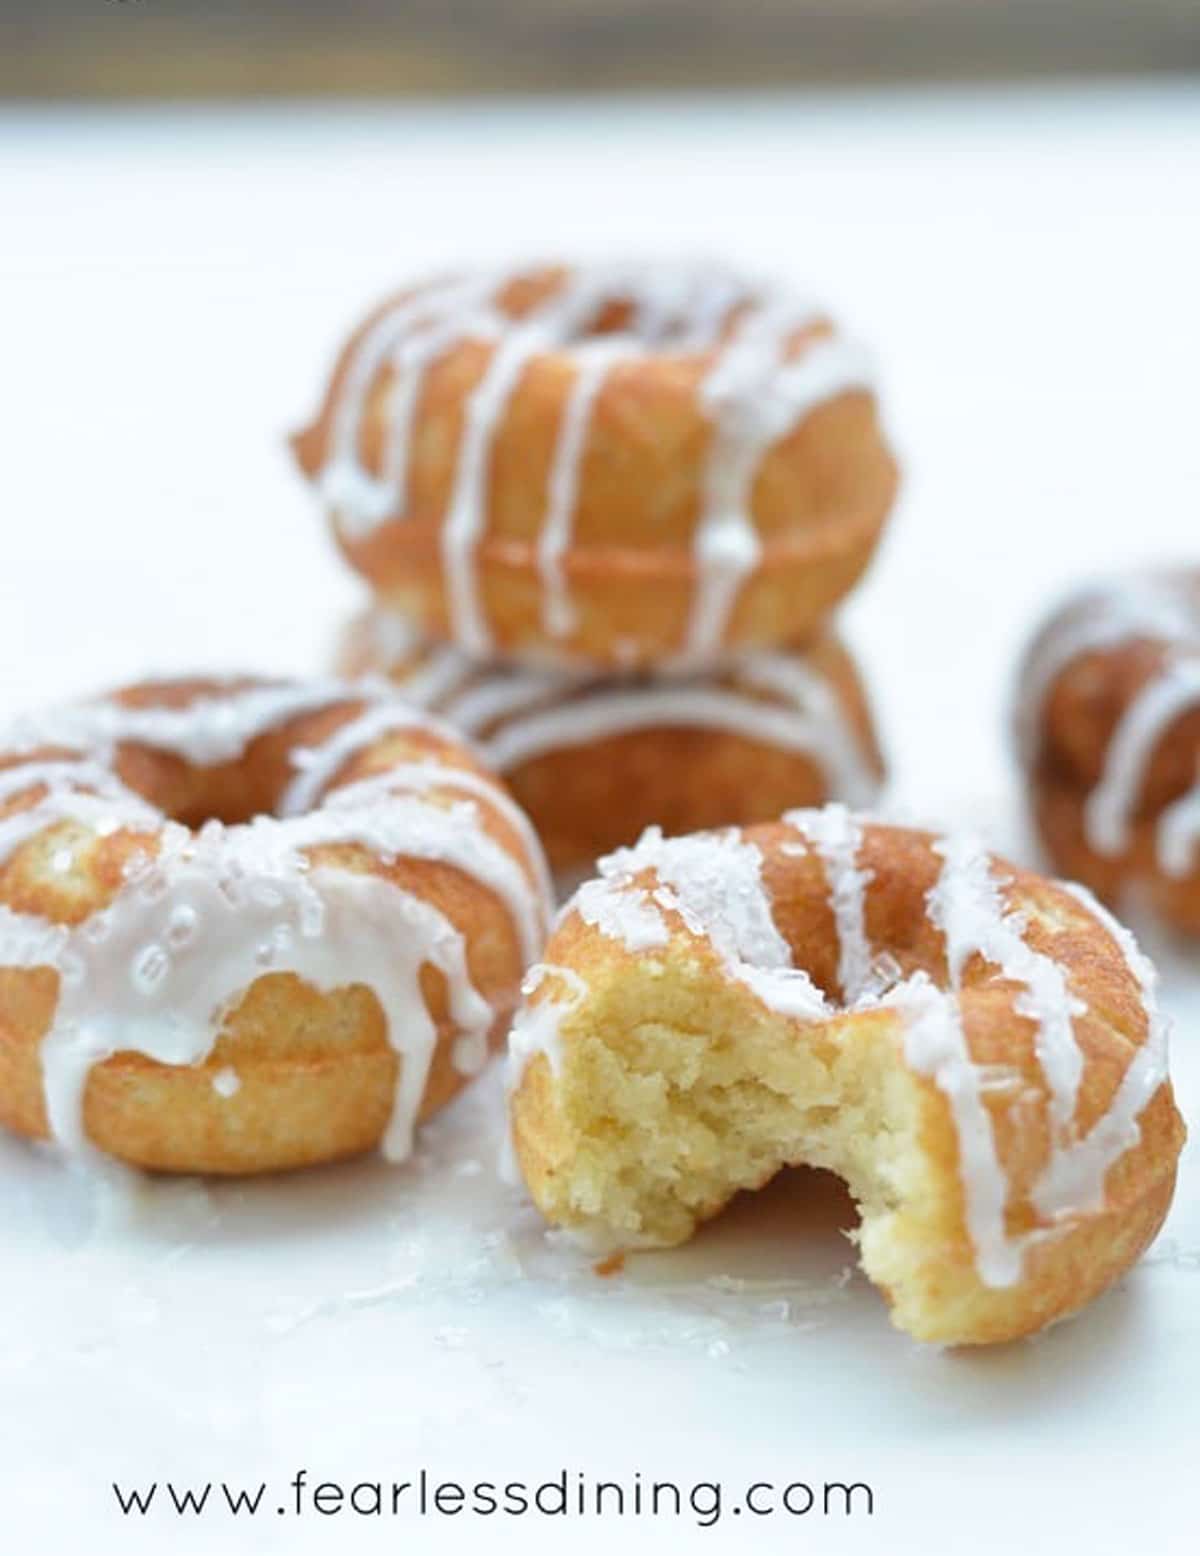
x=517, y=715
x=199, y=920
x=755, y=393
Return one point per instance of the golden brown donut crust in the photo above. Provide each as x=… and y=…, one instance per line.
x=316, y=1070
x=587, y=799
x=819, y=499
x=939, y=1295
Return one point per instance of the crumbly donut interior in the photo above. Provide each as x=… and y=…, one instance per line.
x=680, y=1091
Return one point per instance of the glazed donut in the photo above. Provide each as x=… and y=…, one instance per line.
x=247, y=926
x=975, y=1049
x=614, y=464
x=594, y=760
x=1108, y=729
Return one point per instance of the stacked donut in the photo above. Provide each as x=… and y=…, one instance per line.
x=605, y=514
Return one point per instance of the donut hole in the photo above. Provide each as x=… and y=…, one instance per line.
x=231, y=792
x=661, y=326
x=680, y=1092
x=257, y=780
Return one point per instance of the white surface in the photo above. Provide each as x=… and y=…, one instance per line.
x=1026, y=266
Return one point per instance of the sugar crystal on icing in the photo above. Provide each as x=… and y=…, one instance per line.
x=149, y=968
x=182, y=925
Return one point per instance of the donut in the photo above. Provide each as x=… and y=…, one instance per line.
x=1108, y=734
x=976, y=1050
x=611, y=464
x=251, y=925
x=595, y=759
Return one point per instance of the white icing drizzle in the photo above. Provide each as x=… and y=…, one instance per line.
x=407, y=337
x=420, y=777
x=936, y=1046
x=837, y=837
x=755, y=397
x=213, y=728
x=1179, y=833
x=755, y=393
x=317, y=767
x=536, y=1029
x=595, y=359
x=622, y=912
x=713, y=882
x=231, y=907
x=62, y=773
x=195, y=925
x=550, y=326
x=1075, y=1175
x=621, y=712
x=968, y=906
x=516, y=715
x=1163, y=699
x=1103, y=618
x=408, y=825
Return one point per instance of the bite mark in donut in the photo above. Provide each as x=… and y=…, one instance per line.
x=975, y=1049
